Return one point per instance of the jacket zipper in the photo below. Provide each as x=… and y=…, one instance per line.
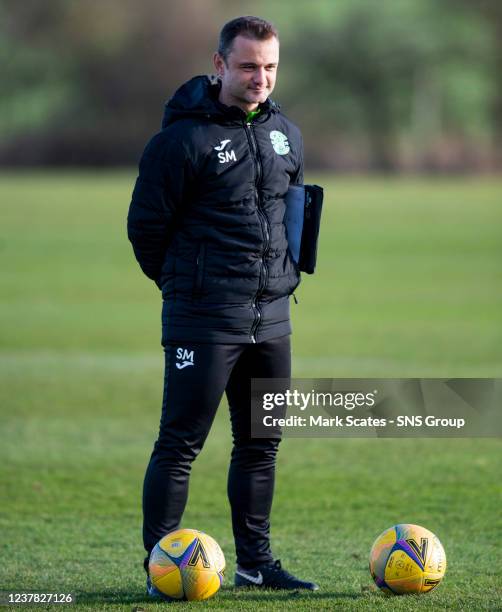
x=264, y=225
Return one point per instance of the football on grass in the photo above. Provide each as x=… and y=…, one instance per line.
x=187, y=564
x=407, y=559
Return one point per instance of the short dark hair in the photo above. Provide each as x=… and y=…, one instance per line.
x=252, y=27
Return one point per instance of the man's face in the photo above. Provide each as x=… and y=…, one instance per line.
x=248, y=76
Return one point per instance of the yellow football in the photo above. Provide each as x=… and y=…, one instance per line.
x=187, y=564
x=407, y=559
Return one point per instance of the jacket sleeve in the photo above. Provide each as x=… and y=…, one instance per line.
x=297, y=177
x=156, y=200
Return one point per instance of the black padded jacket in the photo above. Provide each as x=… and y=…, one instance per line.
x=206, y=218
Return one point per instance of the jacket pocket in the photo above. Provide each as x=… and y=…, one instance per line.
x=200, y=265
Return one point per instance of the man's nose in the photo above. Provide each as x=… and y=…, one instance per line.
x=260, y=76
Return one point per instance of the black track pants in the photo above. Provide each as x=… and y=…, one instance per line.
x=193, y=387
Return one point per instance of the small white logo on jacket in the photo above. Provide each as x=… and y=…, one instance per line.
x=279, y=142
x=225, y=156
x=184, y=357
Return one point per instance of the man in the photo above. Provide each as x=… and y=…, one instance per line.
x=206, y=224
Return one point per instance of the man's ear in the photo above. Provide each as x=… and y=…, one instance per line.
x=219, y=64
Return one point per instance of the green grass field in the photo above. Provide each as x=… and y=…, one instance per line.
x=409, y=284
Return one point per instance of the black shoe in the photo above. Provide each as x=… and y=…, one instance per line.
x=271, y=576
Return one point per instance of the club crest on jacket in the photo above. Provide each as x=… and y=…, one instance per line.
x=279, y=142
